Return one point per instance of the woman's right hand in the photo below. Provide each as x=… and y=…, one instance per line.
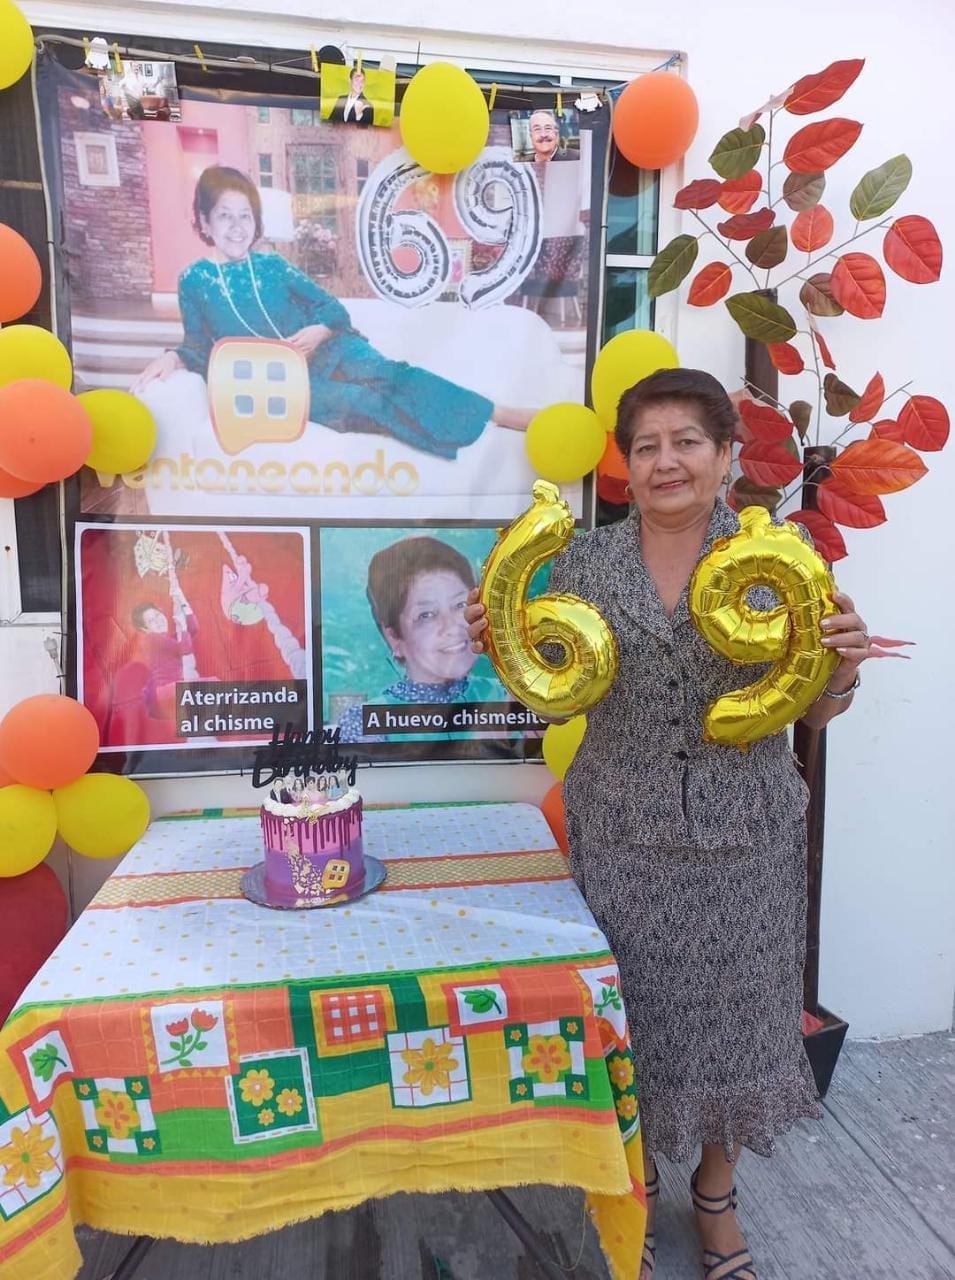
x=162, y=368
x=475, y=615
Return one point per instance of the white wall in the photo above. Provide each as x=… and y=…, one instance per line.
x=888, y=959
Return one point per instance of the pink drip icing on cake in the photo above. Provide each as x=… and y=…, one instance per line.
x=313, y=848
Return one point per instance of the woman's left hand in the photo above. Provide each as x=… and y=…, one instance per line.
x=846, y=633
x=310, y=338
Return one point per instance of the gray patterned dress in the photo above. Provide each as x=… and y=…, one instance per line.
x=692, y=859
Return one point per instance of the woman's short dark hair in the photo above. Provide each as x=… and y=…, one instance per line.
x=392, y=570
x=138, y=615
x=215, y=182
x=693, y=385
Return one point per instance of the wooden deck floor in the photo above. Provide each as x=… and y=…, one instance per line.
x=867, y=1194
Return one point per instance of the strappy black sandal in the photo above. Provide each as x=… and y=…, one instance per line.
x=648, y=1259
x=720, y=1266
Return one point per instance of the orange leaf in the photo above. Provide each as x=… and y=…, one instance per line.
x=698, y=195
x=844, y=506
x=871, y=401
x=827, y=538
x=765, y=422
x=925, y=424
x=878, y=466
x=745, y=225
x=817, y=146
x=816, y=92
x=887, y=429
x=857, y=283
x=740, y=194
x=913, y=250
x=824, y=353
x=711, y=284
x=785, y=357
x=812, y=228
x=768, y=464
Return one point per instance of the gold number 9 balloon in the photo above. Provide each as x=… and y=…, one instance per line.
x=517, y=627
x=775, y=556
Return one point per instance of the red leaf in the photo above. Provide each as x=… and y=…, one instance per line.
x=924, y=422
x=816, y=92
x=711, y=284
x=765, y=422
x=768, y=464
x=740, y=194
x=824, y=353
x=698, y=195
x=878, y=466
x=887, y=429
x=857, y=283
x=745, y=225
x=812, y=228
x=817, y=146
x=785, y=357
x=825, y=535
x=846, y=507
x=913, y=250
x=871, y=401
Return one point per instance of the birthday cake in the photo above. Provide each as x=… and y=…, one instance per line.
x=311, y=827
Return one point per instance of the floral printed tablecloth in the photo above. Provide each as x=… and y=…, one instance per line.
x=190, y=1065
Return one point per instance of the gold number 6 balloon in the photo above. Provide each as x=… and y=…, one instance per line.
x=775, y=556
x=517, y=627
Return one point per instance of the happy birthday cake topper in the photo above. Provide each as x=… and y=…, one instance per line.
x=302, y=754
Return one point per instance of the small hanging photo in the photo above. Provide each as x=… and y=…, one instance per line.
x=545, y=134
x=141, y=91
x=358, y=95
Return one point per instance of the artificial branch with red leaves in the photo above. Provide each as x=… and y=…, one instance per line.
x=832, y=281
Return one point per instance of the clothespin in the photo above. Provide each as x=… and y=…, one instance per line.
x=86, y=49
x=117, y=60
x=358, y=60
x=493, y=98
x=314, y=59
x=560, y=105
x=201, y=56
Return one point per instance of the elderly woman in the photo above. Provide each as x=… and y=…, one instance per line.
x=692, y=855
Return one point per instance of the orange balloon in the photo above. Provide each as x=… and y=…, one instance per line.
x=552, y=807
x=14, y=487
x=48, y=741
x=45, y=433
x=612, y=474
x=5, y=779
x=21, y=278
x=655, y=119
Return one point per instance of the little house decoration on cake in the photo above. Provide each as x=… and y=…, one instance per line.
x=311, y=825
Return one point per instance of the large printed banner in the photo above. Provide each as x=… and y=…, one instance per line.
x=336, y=343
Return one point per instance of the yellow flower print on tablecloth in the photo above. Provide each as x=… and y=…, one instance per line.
x=257, y=1086
x=621, y=1072
x=266, y=1116
x=26, y=1157
x=627, y=1106
x=289, y=1102
x=547, y=1057
x=116, y=1112
x=429, y=1067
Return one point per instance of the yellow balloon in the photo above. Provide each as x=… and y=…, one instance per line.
x=27, y=828
x=561, y=743
x=565, y=442
x=764, y=555
x=444, y=119
x=622, y=363
x=27, y=351
x=101, y=815
x=16, y=44
x=517, y=627
x=124, y=431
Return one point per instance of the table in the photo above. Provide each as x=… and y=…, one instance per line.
x=189, y=1065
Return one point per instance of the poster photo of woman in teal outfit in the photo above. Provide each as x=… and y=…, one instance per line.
x=238, y=292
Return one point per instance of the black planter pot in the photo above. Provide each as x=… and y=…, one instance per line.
x=823, y=1048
